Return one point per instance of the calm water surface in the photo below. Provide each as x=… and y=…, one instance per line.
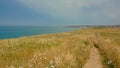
x=18, y=31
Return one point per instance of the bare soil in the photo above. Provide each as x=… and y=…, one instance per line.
x=95, y=59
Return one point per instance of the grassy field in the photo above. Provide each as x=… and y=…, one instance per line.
x=63, y=50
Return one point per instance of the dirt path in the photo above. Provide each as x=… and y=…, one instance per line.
x=94, y=60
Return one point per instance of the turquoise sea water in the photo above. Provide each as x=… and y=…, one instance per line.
x=18, y=31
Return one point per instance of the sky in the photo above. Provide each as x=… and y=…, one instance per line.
x=59, y=12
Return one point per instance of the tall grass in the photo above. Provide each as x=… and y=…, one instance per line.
x=63, y=50
x=109, y=46
x=45, y=51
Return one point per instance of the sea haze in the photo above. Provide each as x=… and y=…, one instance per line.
x=18, y=31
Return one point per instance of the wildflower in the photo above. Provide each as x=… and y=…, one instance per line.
x=109, y=62
x=52, y=66
x=11, y=67
x=51, y=62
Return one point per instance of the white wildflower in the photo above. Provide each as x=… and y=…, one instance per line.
x=11, y=67
x=52, y=66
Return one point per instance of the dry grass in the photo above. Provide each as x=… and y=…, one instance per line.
x=63, y=50
x=107, y=40
x=108, y=43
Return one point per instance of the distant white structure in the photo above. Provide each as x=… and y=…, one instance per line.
x=85, y=27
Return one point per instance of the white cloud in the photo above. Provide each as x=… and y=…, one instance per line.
x=73, y=9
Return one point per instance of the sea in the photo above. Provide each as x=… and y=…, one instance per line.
x=7, y=32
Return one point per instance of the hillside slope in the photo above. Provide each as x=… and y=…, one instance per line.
x=64, y=50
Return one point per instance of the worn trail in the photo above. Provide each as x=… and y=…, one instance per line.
x=95, y=59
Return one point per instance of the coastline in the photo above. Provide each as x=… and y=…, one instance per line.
x=75, y=28
x=8, y=32
x=62, y=49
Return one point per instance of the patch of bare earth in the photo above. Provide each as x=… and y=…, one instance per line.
x=95, y=59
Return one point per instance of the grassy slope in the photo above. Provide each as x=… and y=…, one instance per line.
x=63, y=50
x=108, y=43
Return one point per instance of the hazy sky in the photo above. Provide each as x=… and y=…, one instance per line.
x=59, y=12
